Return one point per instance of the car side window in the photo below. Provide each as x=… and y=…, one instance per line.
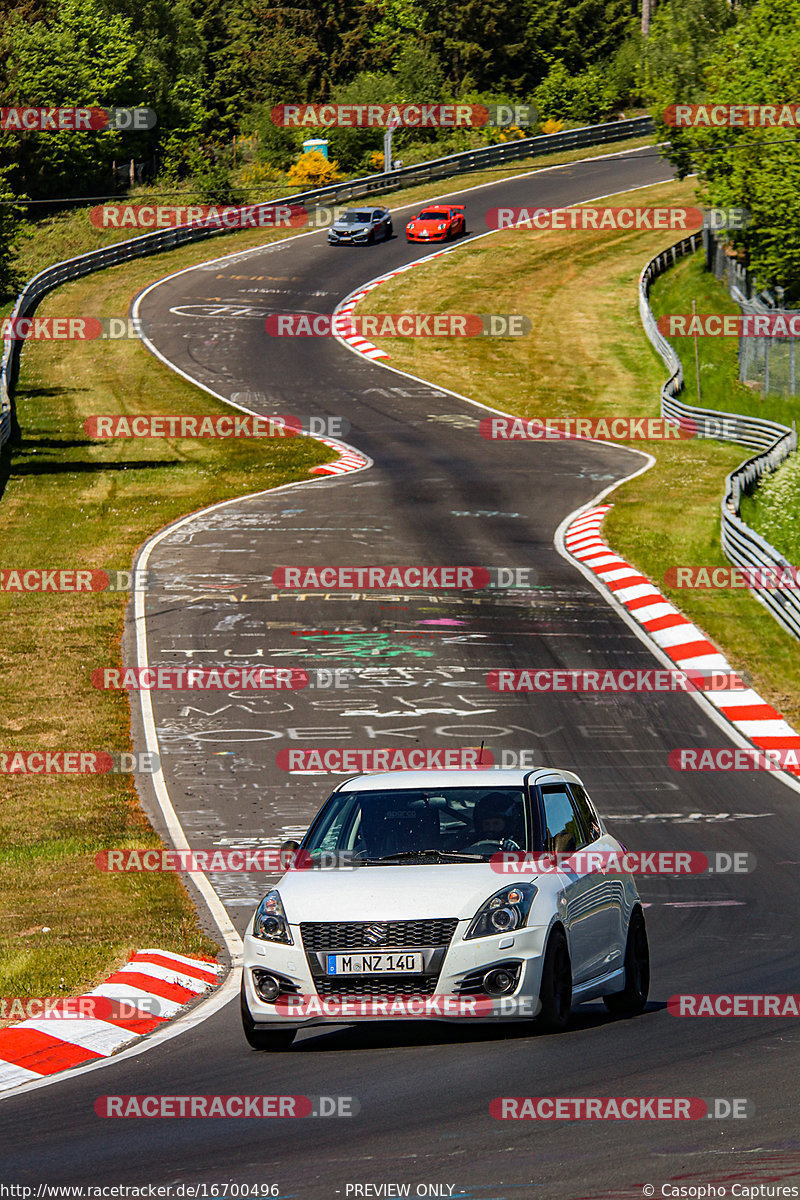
x=589, y=817
x=564, y=831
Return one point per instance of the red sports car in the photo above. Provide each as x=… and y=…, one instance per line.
x=437, y=223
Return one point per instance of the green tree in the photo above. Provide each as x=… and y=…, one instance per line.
x=79, y=55
x=564, y=97
x=395, y=27
x=352, y=147
x=755, y=62
x=419, y=75
x=683, y=36
x=485, y=39
x=11, y=230
x=578, y=33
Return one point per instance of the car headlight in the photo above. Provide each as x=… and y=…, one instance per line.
x=270, y=924
x=503, y=912
x=442, y=224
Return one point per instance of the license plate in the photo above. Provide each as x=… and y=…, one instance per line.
x=375, y=964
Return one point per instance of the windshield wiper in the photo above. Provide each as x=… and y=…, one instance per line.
x=440, y=855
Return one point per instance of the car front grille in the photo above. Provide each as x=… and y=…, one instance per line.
x=376, y=985
x=391, y=935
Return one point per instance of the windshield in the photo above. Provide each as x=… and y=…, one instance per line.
x=428, y=215
x=444, y=824
x=356, y=218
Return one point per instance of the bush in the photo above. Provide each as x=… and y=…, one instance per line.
x=214, y=184
x=312, y=170
x=259, y=175
x=565, y=97
x=276, y=145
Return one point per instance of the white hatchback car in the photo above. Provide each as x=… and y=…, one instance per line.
x=429, y=894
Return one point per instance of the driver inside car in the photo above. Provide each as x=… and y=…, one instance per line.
x=498, y=823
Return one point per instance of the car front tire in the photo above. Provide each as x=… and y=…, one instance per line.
x=555, y=992
x=263, y=1039
x=633, y=997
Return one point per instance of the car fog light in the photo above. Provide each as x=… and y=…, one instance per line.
x=499, y=982
x=267, y=986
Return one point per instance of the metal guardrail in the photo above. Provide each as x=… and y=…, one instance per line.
x=741, y=544
x=169, y=239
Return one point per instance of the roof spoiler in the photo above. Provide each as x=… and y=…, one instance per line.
x=461, y=206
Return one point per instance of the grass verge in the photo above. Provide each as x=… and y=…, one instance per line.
x=772, y=509
x=70, y=502
x=587, y=356
x=673, y=292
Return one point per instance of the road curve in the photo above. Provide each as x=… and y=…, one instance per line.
x=437, y=493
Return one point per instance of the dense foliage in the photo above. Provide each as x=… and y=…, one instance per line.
x=708, y=53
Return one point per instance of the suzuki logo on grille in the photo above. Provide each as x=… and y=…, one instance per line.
x=375, y=934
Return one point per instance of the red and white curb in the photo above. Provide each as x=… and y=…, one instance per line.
x=354, y=340
x=349, y=459
x=675, y=634
x=34, y=1048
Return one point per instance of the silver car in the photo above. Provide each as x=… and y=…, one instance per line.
x=451, y=895
x=361, y=227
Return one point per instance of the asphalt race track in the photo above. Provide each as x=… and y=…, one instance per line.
x=437, y=494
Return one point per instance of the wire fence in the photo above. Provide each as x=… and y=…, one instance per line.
x=769, y=363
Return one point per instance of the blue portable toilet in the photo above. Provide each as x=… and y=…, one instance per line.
x=318, y=144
